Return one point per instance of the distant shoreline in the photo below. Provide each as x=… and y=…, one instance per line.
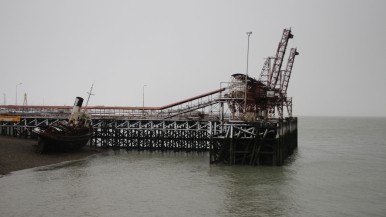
x=18, y=154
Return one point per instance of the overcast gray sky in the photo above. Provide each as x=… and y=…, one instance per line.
x=180, y=49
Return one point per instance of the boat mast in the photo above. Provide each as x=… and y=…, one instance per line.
x=89, y=94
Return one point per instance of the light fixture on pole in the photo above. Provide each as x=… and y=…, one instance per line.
x=16, y=92
x=143, y=99
x=246, y=75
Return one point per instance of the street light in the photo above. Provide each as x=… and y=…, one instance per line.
x=16, y=92
x=143, y=98
x=246, y=75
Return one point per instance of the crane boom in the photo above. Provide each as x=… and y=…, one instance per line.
x=288, y=70
x=273, y=78
x=266, y=71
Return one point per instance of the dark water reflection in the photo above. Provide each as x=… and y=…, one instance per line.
x=259, y=191
x=339, y=170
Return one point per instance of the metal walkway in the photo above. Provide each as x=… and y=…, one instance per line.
x=185, y=109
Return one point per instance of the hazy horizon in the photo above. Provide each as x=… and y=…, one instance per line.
x=180, y=49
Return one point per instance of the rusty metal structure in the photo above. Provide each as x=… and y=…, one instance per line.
x=242, y=122
x=203, y=106
x=268, y=94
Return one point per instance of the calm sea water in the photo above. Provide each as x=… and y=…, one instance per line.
x=339, y=169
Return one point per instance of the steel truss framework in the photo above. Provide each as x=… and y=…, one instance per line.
x=259, y=143
x=25, y=126
x=176, y=135
x=152, y=134
x=254, y=143
x=199, y=107
x=278, y=61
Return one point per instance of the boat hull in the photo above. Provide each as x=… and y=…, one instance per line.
x=62, y=143
x=66, y=136
x=49, y=140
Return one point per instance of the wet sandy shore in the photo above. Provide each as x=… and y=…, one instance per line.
x=18, y=154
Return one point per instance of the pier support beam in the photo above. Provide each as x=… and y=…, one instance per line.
x=254, y=143
x=247, y=143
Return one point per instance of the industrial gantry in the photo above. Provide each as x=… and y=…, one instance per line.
x=251, y=99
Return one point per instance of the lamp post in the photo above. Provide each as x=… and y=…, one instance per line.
x=5, y=101
x=143, y=99
x=246, y=75
x=16, y=92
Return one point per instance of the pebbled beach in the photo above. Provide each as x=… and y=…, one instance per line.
x=17, y=154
